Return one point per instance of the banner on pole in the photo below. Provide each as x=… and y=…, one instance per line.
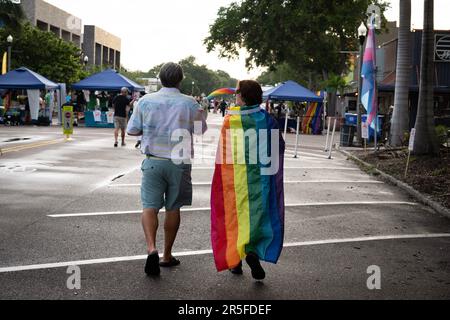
x=5, y=63
x=411, y=140
x=364, y=130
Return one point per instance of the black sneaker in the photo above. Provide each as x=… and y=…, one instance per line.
x=258, y=272
x=238, y=270
x=152, y=264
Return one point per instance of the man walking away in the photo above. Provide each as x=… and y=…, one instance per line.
x=120, y=104
x=166, y=181
x=223, y=108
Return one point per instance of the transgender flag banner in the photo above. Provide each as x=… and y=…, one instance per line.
x=369, y=97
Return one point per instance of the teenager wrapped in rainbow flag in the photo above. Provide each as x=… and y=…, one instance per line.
x=247, y=196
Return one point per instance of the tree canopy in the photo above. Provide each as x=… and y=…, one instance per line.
x=307, y=35
x=205, y=80
x=45, y=54
x=11, y=15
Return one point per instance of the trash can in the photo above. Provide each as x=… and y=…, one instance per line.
x=347, y=135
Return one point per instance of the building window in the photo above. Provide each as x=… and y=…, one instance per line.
x=42, y=25
x=55, y=30
x=66, y=35
x=76, y=40
x=98, y=54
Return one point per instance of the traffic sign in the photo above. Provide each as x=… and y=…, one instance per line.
x=68, y=120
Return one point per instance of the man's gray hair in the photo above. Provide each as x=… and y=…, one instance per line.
x=171, y=75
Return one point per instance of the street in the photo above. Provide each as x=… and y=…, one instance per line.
x=77, y=203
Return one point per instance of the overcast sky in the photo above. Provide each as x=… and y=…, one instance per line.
x=156, y=31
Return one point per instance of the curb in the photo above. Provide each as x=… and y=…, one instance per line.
x=405, y=187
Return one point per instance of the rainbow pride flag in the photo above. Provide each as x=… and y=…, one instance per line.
x=221, y=92
x=247, y=204
x=312, y=119
x=369, y=96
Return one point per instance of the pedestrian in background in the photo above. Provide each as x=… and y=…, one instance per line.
x=120, y=105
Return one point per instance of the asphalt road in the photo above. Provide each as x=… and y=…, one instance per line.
x=77, y=203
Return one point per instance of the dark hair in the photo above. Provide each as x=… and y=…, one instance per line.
x=251, y=92
x=171, y=75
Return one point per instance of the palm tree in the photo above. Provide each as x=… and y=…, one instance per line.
x=334, y=85
x=400, y=119
x=11, y=15
x=426, y=140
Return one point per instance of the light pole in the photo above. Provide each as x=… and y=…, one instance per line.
x=362, y=33
x=10, y=40
x=86, y=61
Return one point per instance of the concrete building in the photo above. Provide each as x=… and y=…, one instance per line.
x=101, y=47
x=52, y=19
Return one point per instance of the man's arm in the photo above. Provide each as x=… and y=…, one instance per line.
x=135, y=125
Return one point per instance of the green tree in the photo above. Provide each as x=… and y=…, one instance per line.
x=308, y=35
x=334, y=85
x=285, y=72
x=205, y=80
x=426, y=141
x=45, y=54
x=11, y=15
x=400, y=123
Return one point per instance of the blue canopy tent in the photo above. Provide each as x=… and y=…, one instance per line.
x=108, y=80
x=24, y=78
x=291, y=91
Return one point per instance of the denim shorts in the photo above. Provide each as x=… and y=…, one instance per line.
x=165, y=184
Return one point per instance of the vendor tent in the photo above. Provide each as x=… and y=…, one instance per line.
x=291, y=91
x=24, y=78
x=108, y=80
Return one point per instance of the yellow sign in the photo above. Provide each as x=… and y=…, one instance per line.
x=68, y=120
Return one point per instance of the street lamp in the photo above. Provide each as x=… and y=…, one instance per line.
x=86, y=61
x=362, y=33
x=10, y=40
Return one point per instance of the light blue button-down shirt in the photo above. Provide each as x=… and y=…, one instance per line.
x=167, y=119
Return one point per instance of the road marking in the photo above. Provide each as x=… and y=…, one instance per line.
x=209, y=251
x=31, y=146
x=300, y=205
x=296, y=168
x=203, y=184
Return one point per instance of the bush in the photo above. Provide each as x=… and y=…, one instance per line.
x=442, y=133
